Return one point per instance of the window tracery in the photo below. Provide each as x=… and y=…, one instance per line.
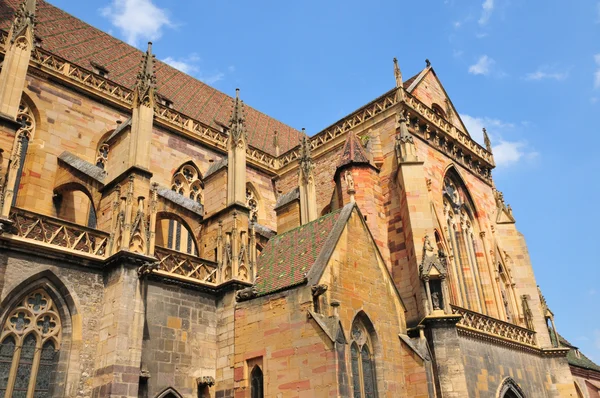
x=362, y=362
x=23, y=137
x=29, y=347
x=187, y=181
x=460, y=228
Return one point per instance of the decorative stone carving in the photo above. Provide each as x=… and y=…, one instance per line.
x=252, y=204
x=237, y=125
x=145, y=87
x=246, y=294
x=318, y=290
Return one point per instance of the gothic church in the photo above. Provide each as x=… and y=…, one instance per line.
x=158, y=238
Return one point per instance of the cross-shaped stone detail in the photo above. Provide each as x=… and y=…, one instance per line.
x=37, y=301
x=20, y=321
x=46, y=324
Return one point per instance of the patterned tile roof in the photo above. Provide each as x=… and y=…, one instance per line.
x=353, y=151
x=580, y=361
x=72, y=39
x=287, y=258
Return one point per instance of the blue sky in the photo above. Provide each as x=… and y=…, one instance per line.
x=528, y=70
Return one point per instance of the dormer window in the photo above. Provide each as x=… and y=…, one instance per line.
x=577, y=354
x=99, y=69
x=165, y=101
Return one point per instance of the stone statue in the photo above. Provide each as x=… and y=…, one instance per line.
x=349, y=180
x=435, y=301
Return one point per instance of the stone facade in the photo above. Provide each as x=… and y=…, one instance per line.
x=189, y=250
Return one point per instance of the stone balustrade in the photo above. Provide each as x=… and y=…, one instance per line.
x=54, y=232
x=482, y=323
x=180, y=264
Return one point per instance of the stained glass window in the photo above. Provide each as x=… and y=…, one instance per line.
x=355, y=371
x=48, y=360
x=363, y=369
x=29, y=349
x=256, y=381
x=7, y=349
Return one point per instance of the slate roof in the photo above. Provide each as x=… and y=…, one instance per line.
x=83, y=166
x=353, y=151
x=74, y=40
x=287, y=258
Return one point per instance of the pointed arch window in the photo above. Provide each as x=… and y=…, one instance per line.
x=187, y=181
x=461, y=231
x=256, y=383
x=22, y=139
x=362, y=362
x=29, y=347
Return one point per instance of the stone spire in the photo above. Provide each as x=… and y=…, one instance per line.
x=306, y=182
x=237, y=123
x=24, y=22
x=406, y=150
x=397, y=74
x=145, y=85
x=18, y=46
x=236, y=162
x=486, y=140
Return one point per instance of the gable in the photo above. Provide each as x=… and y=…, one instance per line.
x=427, y=88
x=355, y=257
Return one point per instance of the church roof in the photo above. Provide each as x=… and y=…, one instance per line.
x=79, y=43
x=287, y=258
x=575, y=359
x=353, y=151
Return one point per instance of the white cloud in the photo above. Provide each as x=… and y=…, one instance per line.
x=486, y=13
x=184, y=65
x=592, y=292
x=137, y=19
x=507, y=152
x=597, y=72
x=483, y=66
x=190, y=65
x=546, y=72
x=212, y=79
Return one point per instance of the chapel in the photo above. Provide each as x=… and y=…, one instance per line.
x=160, y=238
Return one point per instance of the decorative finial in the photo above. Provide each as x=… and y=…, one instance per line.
x=397, y=73
x=428, y=63
x=486, y=140
x=24, y=18
x=145, y=86
x=237, y=123
x=306, y=162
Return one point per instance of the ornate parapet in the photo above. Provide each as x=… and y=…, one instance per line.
x=473, y=322
x=54, y=233
x=445, y=137
x=178, y=265
x=344, y=125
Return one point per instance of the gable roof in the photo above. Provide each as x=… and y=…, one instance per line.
x=411, y=84
x=287, y=258
x=74, y=40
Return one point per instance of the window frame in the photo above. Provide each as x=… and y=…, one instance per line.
x=24, y=321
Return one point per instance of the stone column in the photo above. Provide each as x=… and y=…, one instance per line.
x=119, y=351
x=443, y=339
